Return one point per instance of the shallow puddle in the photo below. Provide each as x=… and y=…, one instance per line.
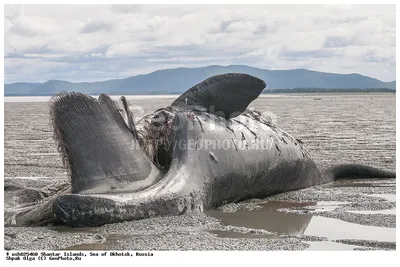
x=105, y=244
x=337, y=229
x=321, y=206
x=231, y=234
x=267, y=218
x=270, y=219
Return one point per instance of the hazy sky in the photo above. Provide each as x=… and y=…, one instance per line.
x=91, y=43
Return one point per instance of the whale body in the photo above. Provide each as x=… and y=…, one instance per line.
x=204, y=150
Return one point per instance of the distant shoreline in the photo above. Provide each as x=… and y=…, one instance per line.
x=268, y=92
x=316, y=96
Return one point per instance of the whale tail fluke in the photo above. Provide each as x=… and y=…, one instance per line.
x=356, y=171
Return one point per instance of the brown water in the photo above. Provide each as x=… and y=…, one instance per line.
x=268, y=218
x=280, y=223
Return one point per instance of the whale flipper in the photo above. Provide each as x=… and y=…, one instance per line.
x=226, y=95
x=100, y=152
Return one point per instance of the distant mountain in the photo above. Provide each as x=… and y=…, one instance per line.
x=19, y=88
x=391, y=85
x=180, y=79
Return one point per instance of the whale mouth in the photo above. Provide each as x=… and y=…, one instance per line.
x=100, y=151
x=168, y=194
x=112, y=177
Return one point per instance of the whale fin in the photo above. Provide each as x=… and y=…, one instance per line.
x=100, y=152
x=226, y=95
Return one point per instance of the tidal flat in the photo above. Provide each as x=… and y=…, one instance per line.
x=344, y=215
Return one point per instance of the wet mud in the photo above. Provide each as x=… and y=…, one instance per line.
x=344, y=215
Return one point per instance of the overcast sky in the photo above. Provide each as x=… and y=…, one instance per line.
x=92, y=43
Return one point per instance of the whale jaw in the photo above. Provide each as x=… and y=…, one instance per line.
x=100, y=151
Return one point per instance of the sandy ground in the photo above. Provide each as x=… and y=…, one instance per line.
x=345, y=215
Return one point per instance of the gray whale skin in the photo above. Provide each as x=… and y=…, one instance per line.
x=204, y=150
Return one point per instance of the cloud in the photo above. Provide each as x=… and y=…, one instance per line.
x=117, y=40
x=96, y=25
x=337, y=41
x=31, y=26
x=128, y=49
x=125, y=8
x=13, y=12
x=296, y=54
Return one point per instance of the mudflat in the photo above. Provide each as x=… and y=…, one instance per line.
x=345, y=215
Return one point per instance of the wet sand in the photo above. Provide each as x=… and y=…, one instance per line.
x=345, y=215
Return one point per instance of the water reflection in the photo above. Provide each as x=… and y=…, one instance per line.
x=335, y=229
x=271, y=218
x=268, y=218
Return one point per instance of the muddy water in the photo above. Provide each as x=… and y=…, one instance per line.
x=269, y=218
x=335, y=129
